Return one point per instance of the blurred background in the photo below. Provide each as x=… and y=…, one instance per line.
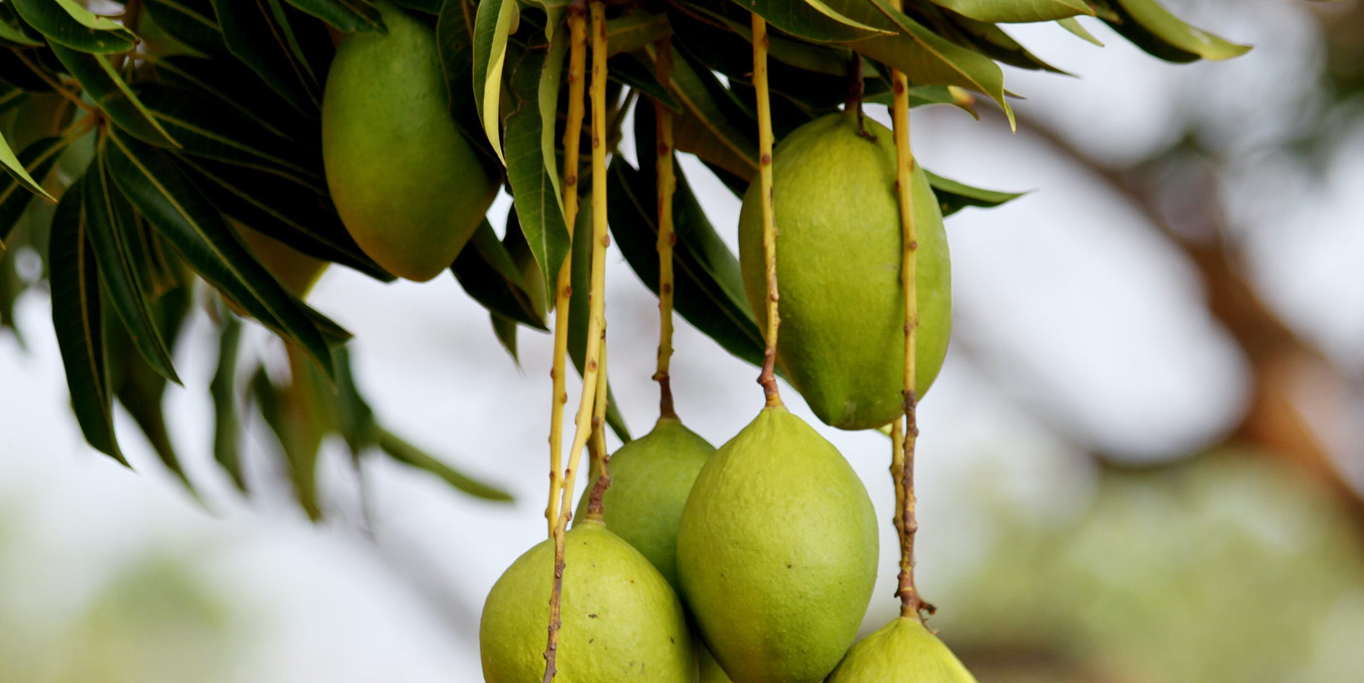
x=1143, y=462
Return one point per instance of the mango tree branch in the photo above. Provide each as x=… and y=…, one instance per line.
x=768, y=378
x=667, y=236
x=596, y=446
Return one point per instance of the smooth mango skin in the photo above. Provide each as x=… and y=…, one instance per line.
x=710, y=669
x=838, y=272
x=409, y=188
x=650, y=479
x=777, y=552
x=903, y=651
x=621, y=620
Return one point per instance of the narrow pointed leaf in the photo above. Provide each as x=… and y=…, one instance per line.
x=346, y=15
x=505, y=329
x=110, y=222
x=226, y=421
x=18, y=172
x=1151, y=27
x=635, y=32
x=954, y=196
x=254, y=36
x=103, y=85
x=813, y=20
x=15, y=31
x=184, y=218
x=1074, y=26
x=1016, y=11
x=532, y=174
x=192, y=22
x=993, y=42
x=412, y=456
x=487, y=272
x=496, y=21
x=37, y=161
x=630, y=70
x=288, y=416
x=228, y=84
x=69, y=23
x=713, y=126
x=354, y=417
x=77, y=320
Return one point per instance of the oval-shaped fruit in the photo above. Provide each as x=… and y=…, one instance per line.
x=621, y=620
x=297, y=271
x=409, y=188
x=710, y=669
x=903, y=651
x=650, y=479
x=838, y=271
x=777, y=552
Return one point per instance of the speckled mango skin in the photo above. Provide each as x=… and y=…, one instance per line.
x=407, y=185
x=903, y=651
x=650, y=479
x=838, y=272
x=621, y=620
x=777, y=552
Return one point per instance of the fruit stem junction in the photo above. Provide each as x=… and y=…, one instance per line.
x=667, y=236
x=596, y=323
x=768, y=378
x=577, y=77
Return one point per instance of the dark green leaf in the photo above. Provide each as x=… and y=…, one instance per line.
x=412, y=456
x=530, y=170
x=633, y=32
x=227, y=83
x=77, y=320
x=192, y=22
x=505, y=329
x=17, y=171
x=122, y=268
x=254, y=35
x=185, y=219
x=993, y=42
x=354, y=417
x=140, y=388
x=37, y=161
x=103, y=85
x=345, y=15
x=10, y=98
x=713, y=126
x=19, y=70
x=813, y=20
x=954, y=196
x=455, y=38
x=226, y=423
x=487, y=272
x=1154, y=29
x=578, y=313
x=69, y=23
x=292, y=214
x=630, y=70
x=428, y=6
x=15, y=31
x=299, y=434
x=212, y=132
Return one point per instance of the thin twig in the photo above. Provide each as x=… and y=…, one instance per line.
x=768, y=378
x=577, y=77
x=596, y=446
x=667, y=236
x=596, y=324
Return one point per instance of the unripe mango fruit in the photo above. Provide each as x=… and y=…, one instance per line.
x=842, y=334
x=903, y=651
x=297, y=271
x=777, y=552
x=650, y=479
x=408, y=186
x=710, y=669
x=621, y=621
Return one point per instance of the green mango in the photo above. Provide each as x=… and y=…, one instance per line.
x=621, y=619
x=710, y=669
x=297, y=271
x=841, y=341
x=903, y=651
x=777, y=552
x=650, y=479
x=408, y=186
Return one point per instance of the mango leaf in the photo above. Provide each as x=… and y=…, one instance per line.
x=141, y=389
x=253, y=33
x=181, y=215
x=1075, y=27
x=954, y=196
x=354, y=417
x=19, y=69
x=15, y=31
x=69, y=23
x=346, y=15
x=1016, y=11
x=1151, y=27
x=37, y=161
x=455, y=40
x=11, y=98
x=290, y=213
x=505, y=329
x=427, y=6
x=812, y=20
x=79, y=324
x=122, y=269
x=993, y=42
x=578, y=313
x=635, y=32
x=18, y=172
x=300, y=436
x=226, y=421
x=496, y=21
x=531, y=172
x=708, y=287
x=216, y=133
x=631, y=70
x=192, y=22
x=410, y=455
x=487, y=272
x=712, y=126
x=103, y=85
x=229, y=84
